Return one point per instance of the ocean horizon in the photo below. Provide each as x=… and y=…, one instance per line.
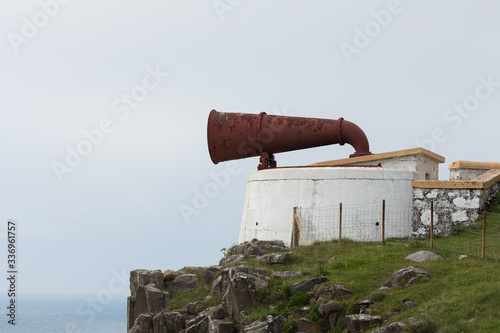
x=66, y=314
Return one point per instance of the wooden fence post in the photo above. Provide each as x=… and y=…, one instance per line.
x=340, y=223
x=383, y=221
x=298, y=224
x=484, y=235
x=432, y=224
x=293, y=226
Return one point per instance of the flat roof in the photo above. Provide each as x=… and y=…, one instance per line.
x=474, y=165
x=484, y=181
x=376, y=157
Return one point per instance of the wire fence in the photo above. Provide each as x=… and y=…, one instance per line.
x=365, y=222
x=478, y=239
x=382, y=221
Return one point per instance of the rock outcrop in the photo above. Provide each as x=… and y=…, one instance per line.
x=278, y=258
x=405, y=276
x=361, y=322
x=233, y=260
x=270, y=325
x=145, y=297
x=248, y=250
x=235, y=288
x=239, y=285
x=141, y=277
x=423, y=256
x=167, y=322
x=287, y=274
x=396, y=327
x=307, y=285
x=208, y=274
x=183, y=283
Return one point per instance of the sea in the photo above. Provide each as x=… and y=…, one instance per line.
x=65, y=314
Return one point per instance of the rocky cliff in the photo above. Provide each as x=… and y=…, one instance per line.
x=235, y=288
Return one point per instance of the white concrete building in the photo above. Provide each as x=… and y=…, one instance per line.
x=272, y=194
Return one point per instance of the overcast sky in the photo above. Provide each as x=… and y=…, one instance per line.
x=104, y=107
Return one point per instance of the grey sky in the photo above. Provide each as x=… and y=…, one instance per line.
x=118, y=209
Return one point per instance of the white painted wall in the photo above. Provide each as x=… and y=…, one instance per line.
x=419, y=164
x=271, y=195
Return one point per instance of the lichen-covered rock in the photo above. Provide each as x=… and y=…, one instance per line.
x=200, y=327
x=239, y=284
x=423, y=256
x=141, y=277
x=267, y=243
x=233, y=260
x=168, y=322
x=275, y=324
x=248, y=250
x=259, y=275
x=215, y=312
x=361, y=322
x=147, y=300
x=256, y=327
x=239, y=296
x=396, y=327
x=272, y=244
x=192, y=308
x=194, y=321
x=208, y=274
x=307, y=285
x=218, y=326
x=130, y=312
x=183, y=283
x=218, y=286
x=143, y=324
x=270, y=325
x=287, y=274
x=324, y=293
x=407, y=276
x=278, y=258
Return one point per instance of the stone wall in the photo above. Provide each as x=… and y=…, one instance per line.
x=452, y=208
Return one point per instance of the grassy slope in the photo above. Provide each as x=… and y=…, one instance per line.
x=462, y=296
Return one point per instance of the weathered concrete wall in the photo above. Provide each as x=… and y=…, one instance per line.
x=465, y=174
x=272, y=194
x=426, y=169
x=452, y=208
x=423, y=168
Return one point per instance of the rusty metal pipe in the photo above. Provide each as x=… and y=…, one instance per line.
x=233, y=136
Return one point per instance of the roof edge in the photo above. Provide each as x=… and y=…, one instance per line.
x=375, y=157
x=474, y=165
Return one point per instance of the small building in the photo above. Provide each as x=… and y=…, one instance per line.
x=423, y=163
x=280, y=199
x=345, y=198
x=458, y=201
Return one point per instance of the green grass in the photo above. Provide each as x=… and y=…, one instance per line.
x=180, y=299
x=494, y=206
x=462, y=295
x=468, y=240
